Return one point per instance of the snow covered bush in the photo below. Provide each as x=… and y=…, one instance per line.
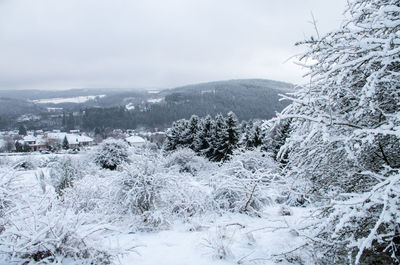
x=111, y=153
x=92, y=194
x=9, y=189
x=185, y=160
x=153, y=196
x=39, y=229
x=242, y=184
x=63, y=173
x=138, y=189
x=47, y=160
x=25, y=163
x=183, y=196
x=344, y=143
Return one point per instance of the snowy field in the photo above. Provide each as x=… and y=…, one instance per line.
x=190, y=211
x=80, y=99
x=155, y=100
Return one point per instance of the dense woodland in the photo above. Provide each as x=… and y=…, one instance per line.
x=253, y=102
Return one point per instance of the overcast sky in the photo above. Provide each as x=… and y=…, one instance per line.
x=47, y=44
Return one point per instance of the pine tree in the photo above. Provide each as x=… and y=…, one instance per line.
x=173, y=138
x=257, y=134
x=276, y=137
x=233, y=131
x=22, y=130
x=189, y=134
x=65, y=144
x=246, y=128
x=18, y=146
x=220, y=144
x=253, y=135
x=204, y=138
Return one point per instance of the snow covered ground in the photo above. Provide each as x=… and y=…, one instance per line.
x=155, y=100
x=201, y=236
x=80, y=99
x=130, y=106
x=229, y=239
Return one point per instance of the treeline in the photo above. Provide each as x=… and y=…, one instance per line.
x=248, y=102
x=216, y=139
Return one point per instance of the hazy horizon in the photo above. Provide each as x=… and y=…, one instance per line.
x=146, y=88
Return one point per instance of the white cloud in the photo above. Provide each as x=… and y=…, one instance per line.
x=124, y=43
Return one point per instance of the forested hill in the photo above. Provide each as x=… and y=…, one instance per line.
x=132, y=108
x=249, y=99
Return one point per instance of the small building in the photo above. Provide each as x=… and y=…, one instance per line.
x=41, y=143
x=135, y=140
x=85, y=140
x=29, y=139
x=74, y=140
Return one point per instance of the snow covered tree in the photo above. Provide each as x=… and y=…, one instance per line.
x=203, y=139
x=173, y=138
x=345, y=139
x=112, y=153
x=253, y=135
x=21, y=146
x=233, y=130
x=65, y=144
x=190, y=132
x=275, y=138
x=246, y=127
x=226, y=136
x=219, y=143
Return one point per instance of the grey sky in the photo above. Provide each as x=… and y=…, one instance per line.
x=47, y=44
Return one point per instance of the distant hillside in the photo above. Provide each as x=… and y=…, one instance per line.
x=249, y=99
x=15, y=106
x=124, y=108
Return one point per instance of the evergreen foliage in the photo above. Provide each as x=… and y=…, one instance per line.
x=214, y=139
x=174, y=139
x=253, y=136
x=65, y=144
x=275, y=137
x=204, y=137
x=22, y=130
x=189, y=134
x=21, y=146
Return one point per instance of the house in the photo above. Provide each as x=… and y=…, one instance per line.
x=74, y=140
x=29, y=139
x=40, y=143
x=135, y=140
x=85, y=140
